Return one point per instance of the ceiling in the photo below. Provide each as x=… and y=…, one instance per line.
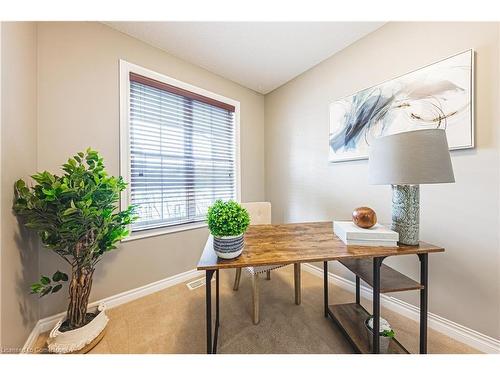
x=259, y=55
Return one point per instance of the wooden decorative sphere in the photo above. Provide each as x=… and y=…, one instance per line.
x=364, y=217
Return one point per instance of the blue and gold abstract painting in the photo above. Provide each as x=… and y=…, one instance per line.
x=436, y=96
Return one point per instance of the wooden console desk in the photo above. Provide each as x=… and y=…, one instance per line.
x=316, y=242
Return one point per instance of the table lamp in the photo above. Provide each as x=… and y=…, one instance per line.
x=406, y=160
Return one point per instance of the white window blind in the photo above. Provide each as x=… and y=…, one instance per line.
x=182, y=150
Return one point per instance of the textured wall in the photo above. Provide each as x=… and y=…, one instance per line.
x=19, y=252
x=463, y=217
x=78, y=102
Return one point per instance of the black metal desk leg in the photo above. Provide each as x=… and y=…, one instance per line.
x=377, y=262
x=208, y=300
x=216, y=333
x=216, y=299
x=325, y=287
x=358, y=299
x=424, y=280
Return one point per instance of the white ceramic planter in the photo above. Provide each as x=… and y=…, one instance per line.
x=75, y=340
x=229, y=247
x=384, y=341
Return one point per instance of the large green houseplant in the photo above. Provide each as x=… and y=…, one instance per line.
x=76, y=216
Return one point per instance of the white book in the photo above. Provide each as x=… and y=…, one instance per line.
x=347, y=230
x=371, y=243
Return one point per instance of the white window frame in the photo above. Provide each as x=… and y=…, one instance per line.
x=125, y=69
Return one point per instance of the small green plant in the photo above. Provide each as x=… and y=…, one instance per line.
x=387, y=333
x=76, y=216
x=385, y=328
x=227, y=219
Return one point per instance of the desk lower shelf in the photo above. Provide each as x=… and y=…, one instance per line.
x=350, y=317
x=390, y=279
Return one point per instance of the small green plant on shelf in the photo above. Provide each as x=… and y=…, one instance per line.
x=76, y=216
x=388, y=333
x=227, y=219
x=385, y=328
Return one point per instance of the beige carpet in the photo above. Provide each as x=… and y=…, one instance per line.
x=173, y=321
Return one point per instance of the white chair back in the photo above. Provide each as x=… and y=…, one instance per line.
x=260, y=212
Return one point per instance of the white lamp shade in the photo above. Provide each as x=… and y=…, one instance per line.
x=411, y=158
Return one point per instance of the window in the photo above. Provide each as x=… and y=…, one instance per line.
x=181, y=150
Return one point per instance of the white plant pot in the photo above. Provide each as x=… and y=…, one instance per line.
x=384, y=341
x=229, y=247
x=77, y=339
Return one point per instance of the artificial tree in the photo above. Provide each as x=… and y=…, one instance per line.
x=75, y=215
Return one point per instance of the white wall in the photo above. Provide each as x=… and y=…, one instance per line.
x=462, y=217
x=19, y=252
x=1, y=25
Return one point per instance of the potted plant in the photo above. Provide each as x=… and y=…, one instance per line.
x=227, y=222
x=385, y=331
x=75, y=215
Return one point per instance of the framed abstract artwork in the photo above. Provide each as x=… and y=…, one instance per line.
x=439, y=95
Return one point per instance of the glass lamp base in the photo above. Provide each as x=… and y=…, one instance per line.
x=406, y=213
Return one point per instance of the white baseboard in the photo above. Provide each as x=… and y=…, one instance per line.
x=48, y=323
x=31, y=340
x=454, y=330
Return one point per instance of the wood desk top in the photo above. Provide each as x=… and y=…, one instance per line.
x=299, y=243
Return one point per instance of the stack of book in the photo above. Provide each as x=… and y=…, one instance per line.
x=378, y=235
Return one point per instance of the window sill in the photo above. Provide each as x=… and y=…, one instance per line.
x=161, y=231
